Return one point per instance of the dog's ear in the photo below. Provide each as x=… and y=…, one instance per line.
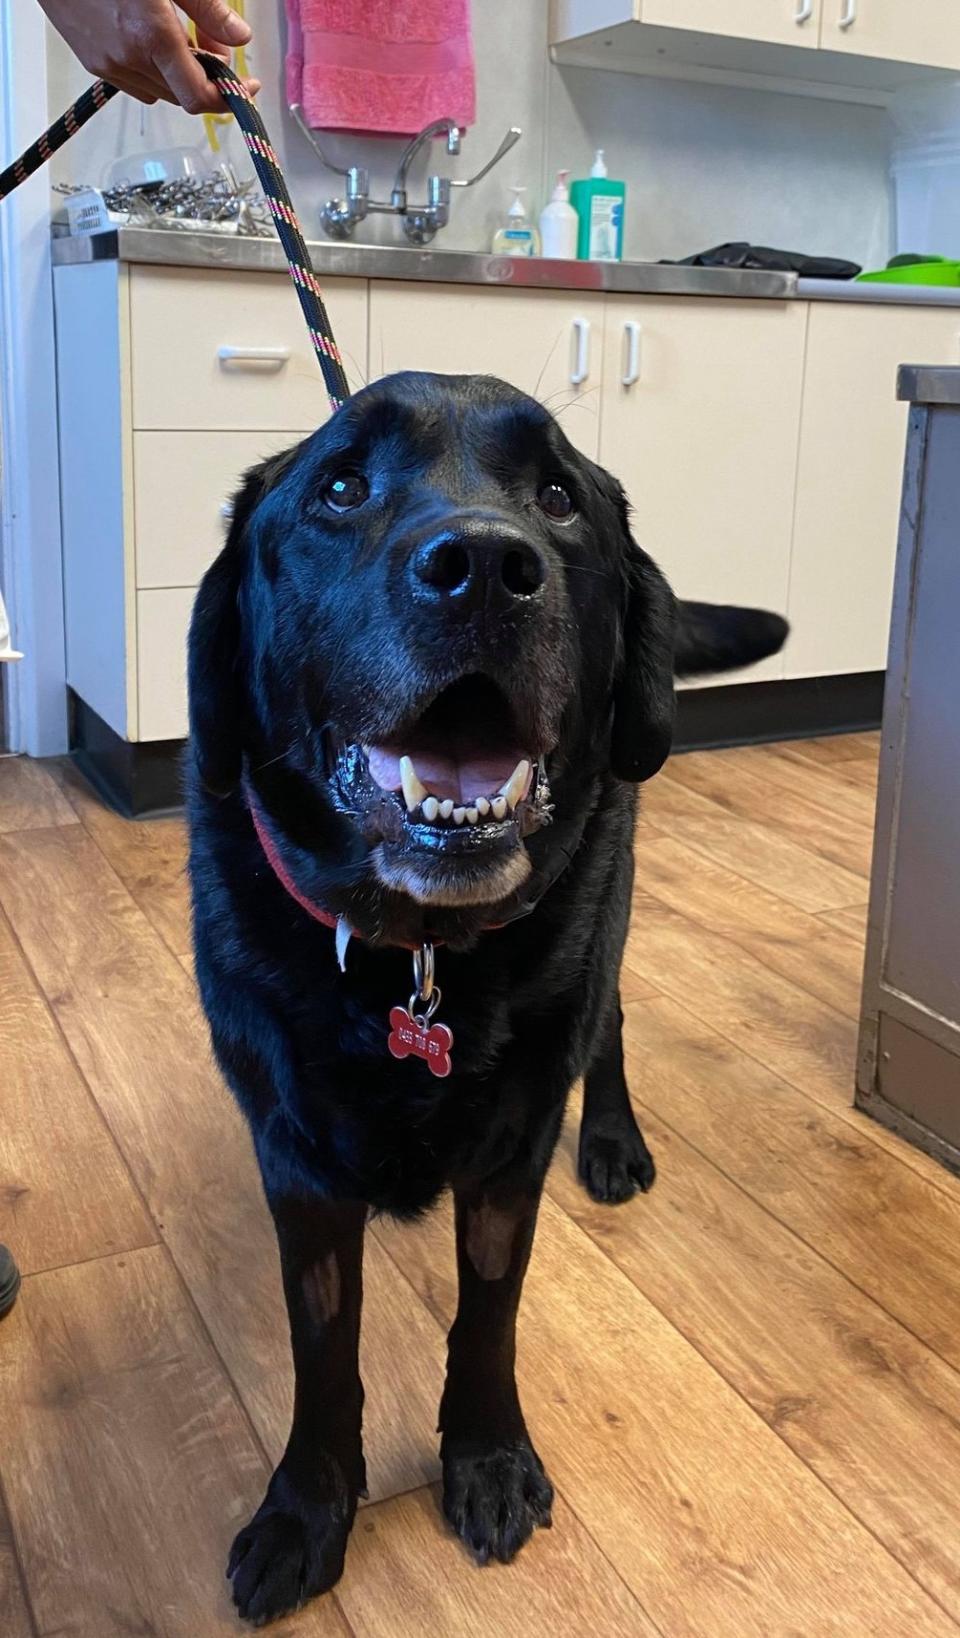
x=213, y=650
x=644, y=707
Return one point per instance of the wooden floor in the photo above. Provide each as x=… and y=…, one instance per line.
x=745, y=1386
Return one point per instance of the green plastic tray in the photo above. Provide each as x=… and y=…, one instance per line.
x=940, y=272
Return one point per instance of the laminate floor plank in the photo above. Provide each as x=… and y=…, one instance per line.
x=407, y=1576
x=30, y=796
x=760, y=853
x=133, y=1020
x=716, y=1527
x=65, y=1193
x=127, y=1463
x=798, y=946
x=874, y=1412
x=862, y=1207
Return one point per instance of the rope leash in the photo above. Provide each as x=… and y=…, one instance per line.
x=267, y=166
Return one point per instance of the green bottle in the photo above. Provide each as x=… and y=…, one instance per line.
x=599, y=203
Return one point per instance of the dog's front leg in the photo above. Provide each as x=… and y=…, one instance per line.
x=614, y=1161
x=495, y=1492
x=295, y=1543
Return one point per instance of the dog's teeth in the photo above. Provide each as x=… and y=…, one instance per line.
x=413, y=791
x=430, y=809
x=499, y=807
x=473, y=815
x=459, y=815
x=446, y=808
x=516, y=784
x=483, y=806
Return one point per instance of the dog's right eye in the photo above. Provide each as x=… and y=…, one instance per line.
x=345, y=491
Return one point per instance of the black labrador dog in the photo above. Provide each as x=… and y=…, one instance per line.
x=427, y=672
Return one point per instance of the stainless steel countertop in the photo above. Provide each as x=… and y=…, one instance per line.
x=929, y=383
x=168, y=248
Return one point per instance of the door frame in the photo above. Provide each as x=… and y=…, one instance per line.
x=30, y=537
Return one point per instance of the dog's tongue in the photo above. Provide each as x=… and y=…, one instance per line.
x=461, y=777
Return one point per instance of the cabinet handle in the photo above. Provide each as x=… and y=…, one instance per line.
x=849, y=14
x=277, y=356
x=803, y=13
x=631, y=364
x=581, y=352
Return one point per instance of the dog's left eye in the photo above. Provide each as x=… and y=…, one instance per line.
x=346, y=490
x=556, y=501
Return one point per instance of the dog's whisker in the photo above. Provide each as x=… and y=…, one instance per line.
x=546, y=365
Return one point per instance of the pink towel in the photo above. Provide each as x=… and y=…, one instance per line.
x=380, y=65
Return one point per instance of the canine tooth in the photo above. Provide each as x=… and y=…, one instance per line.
x=472, y=816
x=446, y=808
x=459, y=815
x=482, y=806
x=413, y=791
x=430, y=808
x=499, y=807
x=516, y=784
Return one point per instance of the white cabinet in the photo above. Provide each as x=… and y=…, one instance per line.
x=209, y=351
x=701, y=409
x=172, y=382
x=549, y=343
x=849, y=477
x=863, y=50
x=907, y=31
x=787, y=22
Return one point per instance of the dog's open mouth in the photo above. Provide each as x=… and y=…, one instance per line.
x=448, y=801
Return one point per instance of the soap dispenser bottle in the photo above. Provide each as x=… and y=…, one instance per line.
x=559, y=223
x=516, y=236
x=599, y=203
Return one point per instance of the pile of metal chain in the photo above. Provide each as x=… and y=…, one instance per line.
x=217, y=198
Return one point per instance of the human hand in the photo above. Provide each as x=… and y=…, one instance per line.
x=140, y=46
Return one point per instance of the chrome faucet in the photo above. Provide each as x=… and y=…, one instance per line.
x=420, y=222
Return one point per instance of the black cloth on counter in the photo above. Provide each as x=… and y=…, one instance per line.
x=772, y=261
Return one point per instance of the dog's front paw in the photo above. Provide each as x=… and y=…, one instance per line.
x=291, y=1550
x=495, y=1497
x=614, y=1168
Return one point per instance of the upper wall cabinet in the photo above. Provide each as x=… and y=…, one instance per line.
x=859, y=50
x=906, y=31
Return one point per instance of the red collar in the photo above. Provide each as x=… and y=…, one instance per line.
x=278, y=867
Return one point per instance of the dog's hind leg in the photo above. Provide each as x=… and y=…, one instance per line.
x=495, y=1491
x=614, y=1162
x=295, y=1543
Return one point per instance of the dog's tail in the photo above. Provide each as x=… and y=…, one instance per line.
x=718, y=637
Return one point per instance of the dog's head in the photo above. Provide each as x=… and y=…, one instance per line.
x=430, y=627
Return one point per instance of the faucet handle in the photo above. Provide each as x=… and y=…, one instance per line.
x=513, y=136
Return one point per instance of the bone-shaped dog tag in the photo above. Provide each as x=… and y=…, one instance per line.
x=412, y=1036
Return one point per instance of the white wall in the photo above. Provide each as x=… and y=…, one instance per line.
x=702, y=163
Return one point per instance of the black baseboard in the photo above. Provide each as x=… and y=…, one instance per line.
x=145, y=780
x=751, y=713
x=139, y=781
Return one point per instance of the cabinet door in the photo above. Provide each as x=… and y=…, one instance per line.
x=906, y=31
x=548, y=343
x=849, y=478
x=224, y=351
x=701, y=410
x=785, y=22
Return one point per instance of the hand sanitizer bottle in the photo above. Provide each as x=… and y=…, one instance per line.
x=599, y=203
x=559, y=223
x=517, y=236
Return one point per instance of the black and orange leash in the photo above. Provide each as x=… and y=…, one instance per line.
x=267, y=166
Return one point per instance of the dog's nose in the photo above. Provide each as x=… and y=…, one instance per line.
x=469, y=569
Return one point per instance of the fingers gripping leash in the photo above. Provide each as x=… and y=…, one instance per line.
x=267, y=166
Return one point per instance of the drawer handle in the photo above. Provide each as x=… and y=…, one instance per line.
x=277, y=356
x=581, y=354
x=803, y=13
x=849, y=14
x=631, y=369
